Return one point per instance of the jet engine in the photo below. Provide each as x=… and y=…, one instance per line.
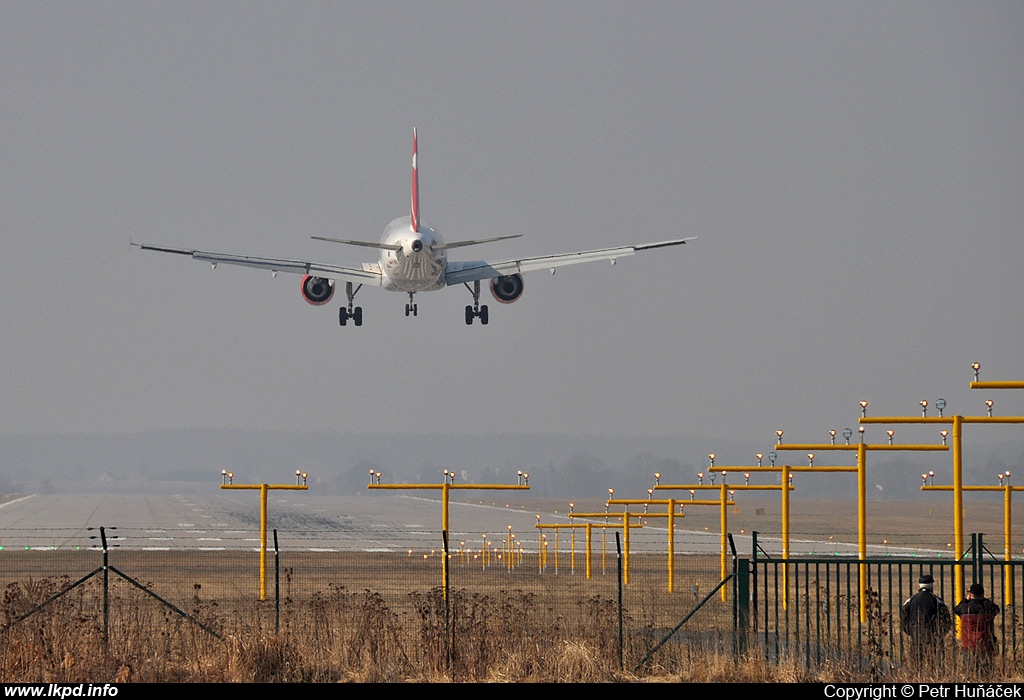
x=317, y=290
x=507, y=289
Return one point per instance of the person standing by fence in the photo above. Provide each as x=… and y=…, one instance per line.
x=925, y=618
x=977, y=629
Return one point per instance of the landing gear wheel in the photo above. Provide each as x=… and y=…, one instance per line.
x=475, y=310
x=354, y=313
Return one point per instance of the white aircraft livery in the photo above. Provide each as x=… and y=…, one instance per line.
x=414, y=258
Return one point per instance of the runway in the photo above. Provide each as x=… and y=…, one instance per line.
x=207, y=518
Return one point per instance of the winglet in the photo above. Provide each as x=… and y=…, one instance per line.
x=415, y=209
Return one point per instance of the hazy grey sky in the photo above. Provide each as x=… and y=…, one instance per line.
x=855, y=173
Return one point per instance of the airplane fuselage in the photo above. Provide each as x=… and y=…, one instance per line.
x=410, y=260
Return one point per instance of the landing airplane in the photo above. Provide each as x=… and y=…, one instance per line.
x=414, y=258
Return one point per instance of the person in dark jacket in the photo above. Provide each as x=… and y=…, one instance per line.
x=925, y=618
x=977, y=629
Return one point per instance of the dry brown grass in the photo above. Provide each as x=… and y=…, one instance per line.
x=386, y=623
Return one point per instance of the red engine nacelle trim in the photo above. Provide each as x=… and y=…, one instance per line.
x=317, y=290
x=508, y=289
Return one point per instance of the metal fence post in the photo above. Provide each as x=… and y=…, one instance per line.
x=741, y=619
x=618, y=550
x=277, y=585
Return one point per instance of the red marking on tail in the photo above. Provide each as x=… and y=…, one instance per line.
x=415, y=209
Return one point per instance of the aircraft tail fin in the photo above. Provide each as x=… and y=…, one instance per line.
x=415, y=208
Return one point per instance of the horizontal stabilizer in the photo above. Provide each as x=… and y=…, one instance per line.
x=365, y=244
x=461, y=244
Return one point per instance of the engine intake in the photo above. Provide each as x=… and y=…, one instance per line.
x=507, y=289
x=317, y=290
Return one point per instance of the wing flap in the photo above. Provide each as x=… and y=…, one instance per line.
x=460, y=272
x=300, y=267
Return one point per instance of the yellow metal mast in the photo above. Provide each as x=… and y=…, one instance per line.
x=227, y=482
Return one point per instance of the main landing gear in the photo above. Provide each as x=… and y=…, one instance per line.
x=410, y=308
x=476, y=310
x=354, y=313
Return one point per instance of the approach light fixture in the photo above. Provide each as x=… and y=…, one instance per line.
x=692, y=491
x=832, y=436
x=890, y=433
x=223, y=476
x=846, y=434
x=712, y=458
x=778, y=434
x=863, y=408
x=977, y=368
x=988, y=404
x=231, y=477
x=810, y=459
x=861, y=429
x=759, y=456
x=944, y=433
x=700, y=478
x=940, y=404
x=924, y=408
x=657, y=478
x=746, y=478
x=772, y=457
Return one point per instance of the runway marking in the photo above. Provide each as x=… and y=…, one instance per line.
x=17, y=500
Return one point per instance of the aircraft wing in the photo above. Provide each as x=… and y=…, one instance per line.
x=369, y=274
x=459, y=272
